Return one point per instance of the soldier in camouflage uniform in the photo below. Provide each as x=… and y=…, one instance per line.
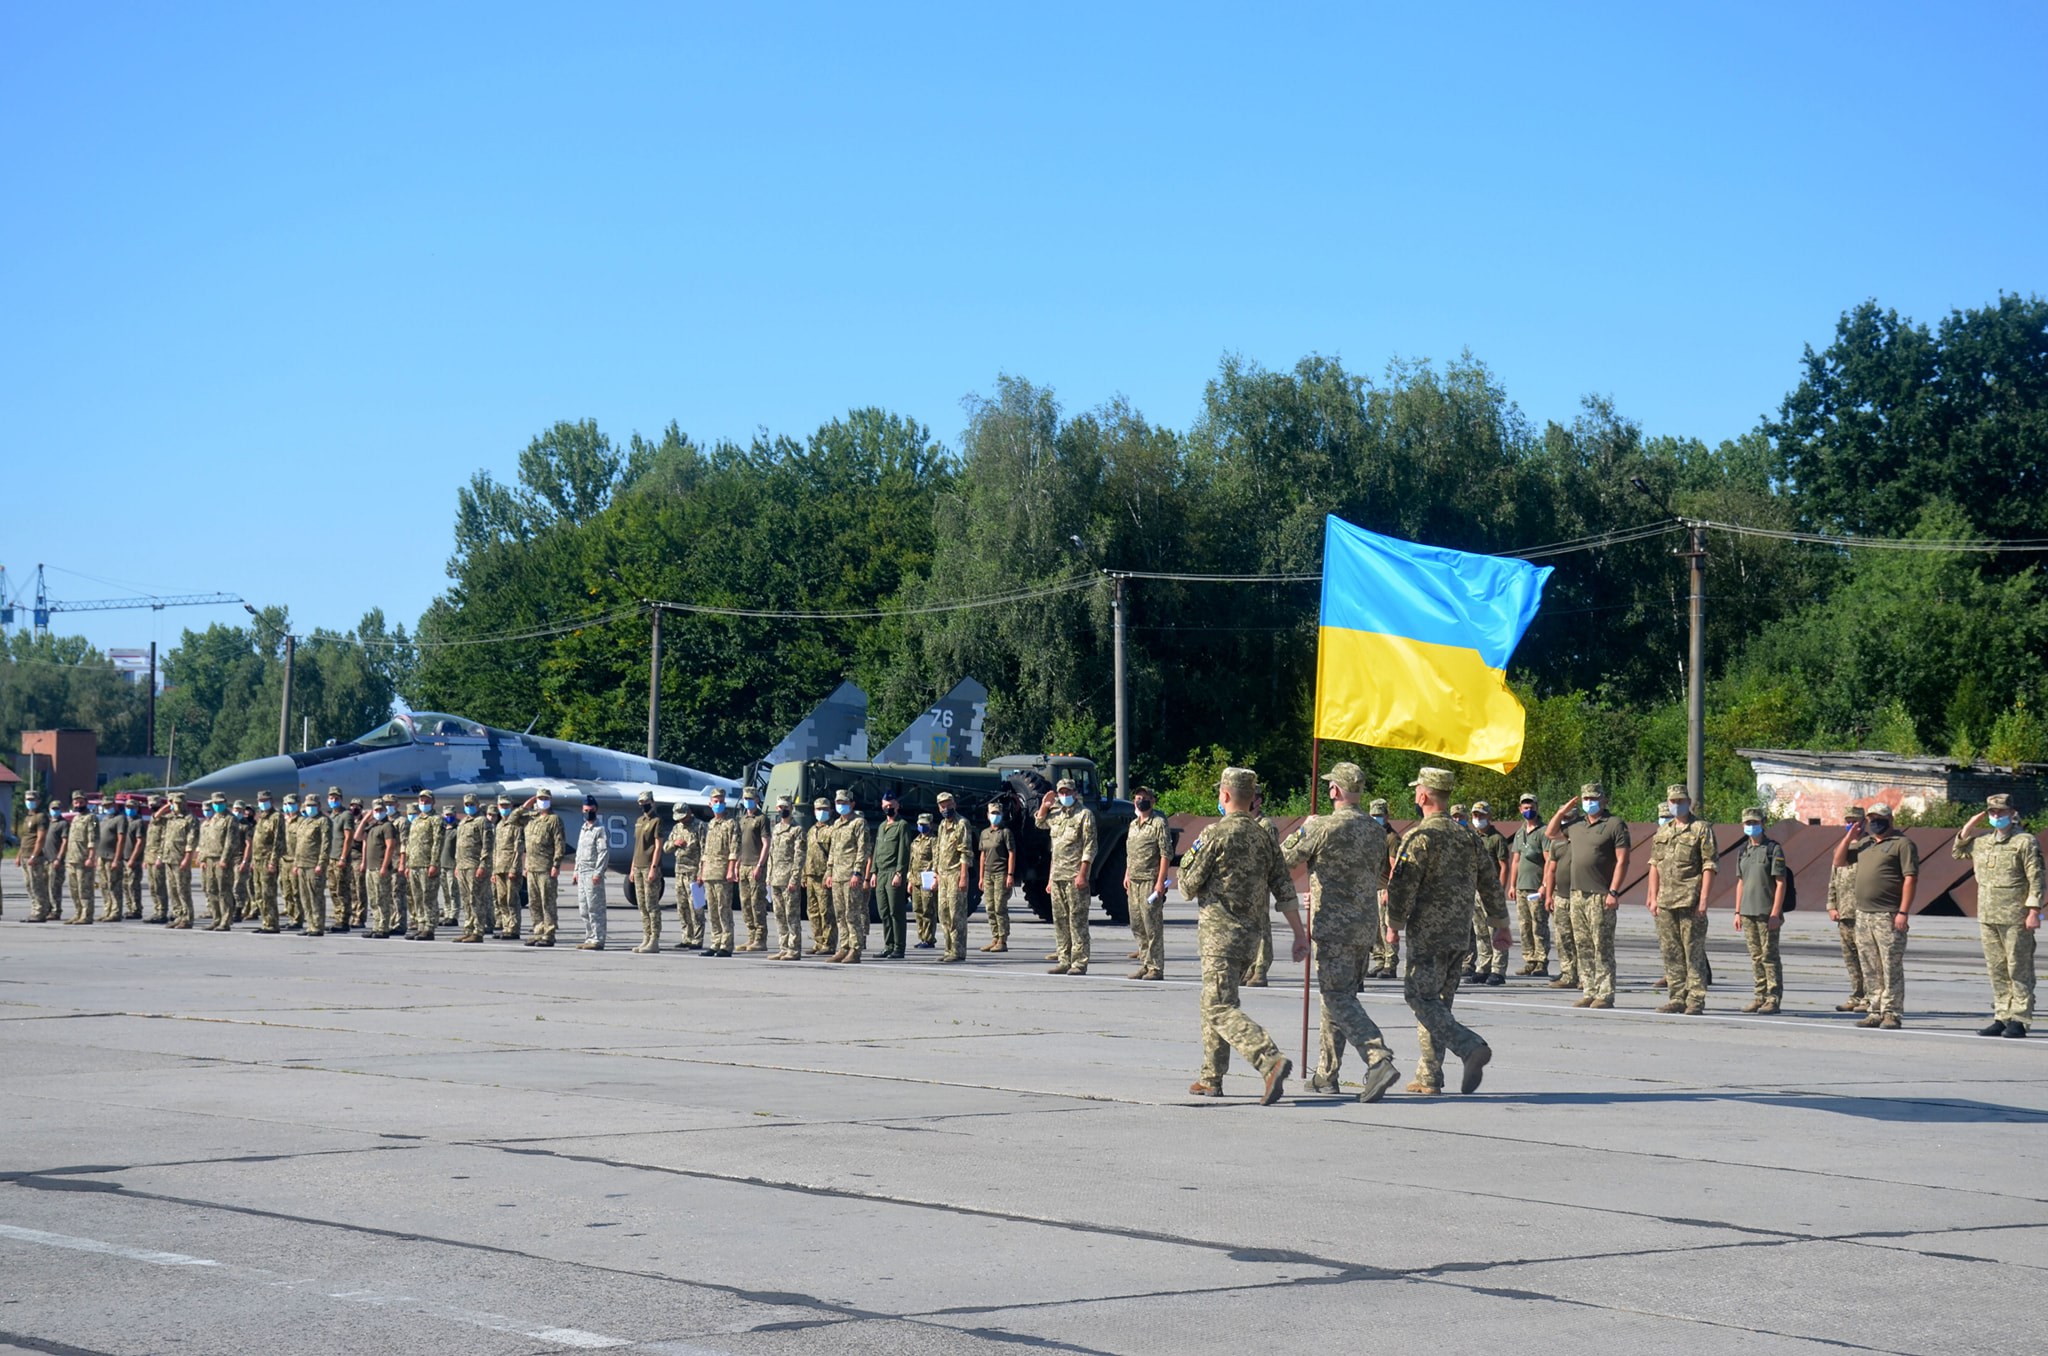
x=1071, y=826
x=1761, y=883
x=421, y=862
x=818, y=879
x=686, y=849
x=381, y=846
x=544, y=846
x=56, y=852
x=786, y=849
x=752, y=828
x=720, y=873
x=78, y=860
x=339, y=825
x=1385, y=960
x=216, y=863
x=1346, y=854
x=645, y=874
x=1599, y=863
x=2009, y=882
x=309, y=868
x=1887, y=871
x=265, y=856
x=1233, y=872
x=1526, y=858
x=1682, y=867
x=1842, y=910
x=1147, y=848
x=472, y=883
x=153, y=864
x=997, y=853
x=924, y=904
x=852, y=865
x=1436, y=872
x=952, y=866
x=508, y=850
x=1490, y=962
x=33, y=833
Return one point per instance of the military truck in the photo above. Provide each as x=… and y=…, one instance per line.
x=1017, y=782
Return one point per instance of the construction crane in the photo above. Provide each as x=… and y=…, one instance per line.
x=44, y=605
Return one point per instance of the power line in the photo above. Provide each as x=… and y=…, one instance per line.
x=1054, y=589
x=1876, y=543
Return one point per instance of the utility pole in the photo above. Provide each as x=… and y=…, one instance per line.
x=150, y=750
x=1696, y=667
x=654, y=689
x=1123, y=763
x=284, y=711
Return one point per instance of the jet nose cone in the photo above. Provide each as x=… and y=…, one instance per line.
x=278, y=770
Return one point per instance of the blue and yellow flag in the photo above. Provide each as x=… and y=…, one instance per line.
x=1414, y=647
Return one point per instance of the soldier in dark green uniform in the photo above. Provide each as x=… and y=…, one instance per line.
x=892, y=874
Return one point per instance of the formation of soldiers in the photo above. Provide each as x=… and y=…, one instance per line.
x=1455, y=883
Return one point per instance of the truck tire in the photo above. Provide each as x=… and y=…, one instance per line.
x=1116, y=903
x=1040, y=900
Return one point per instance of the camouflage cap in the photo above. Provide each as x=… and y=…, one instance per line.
x=1347, y=775
x=1458, y=810
x=1378, y=807
x=469, y=798
x=783, y=800
x=1065, y=784
x=2000, y=801
x=506, y=801
x=1240, y=782
x=1593, y=791
x=645, y=798
x=1678, y=791
x=1480, y=807
x=822, y=803
x=1528, y=798
x=219, y=798
x=945, y=797
x=1753, y=814
x=265, y=795
x=1878, y=811
x=1853, y=815
x=843, y=794
x=334, y=791
x=78, y=797
x=239, y=805
x=291, y=798
x=425, y=794
x=388, y=802
x=927, y=818
x=355, y=803
x=1434, y=779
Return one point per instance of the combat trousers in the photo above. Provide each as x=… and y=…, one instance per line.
x=422, y=901
x=505, y=896
x=263, y=895
x=788, y=901
x=179, y=880
x=1070, y=924
x=1702, y=967
x=1385, y=955
x=113, y=892
x=851, y=904
x=1535, y=933
x=56, y=889
x=220, y=894
x=348, y=905
x=449, y=912
x=1227, y=947
x=137, y=874
x=312, y=888
x=647, y=884
x=1565, y=939
x=995, y=902
x=81, y=893
x=2009, y=957
x=1430, y=987
x=590, y=904
x=1148, y=925
x=924, y=907
x=1882, y=949
x=1763, y=959
x=1340, y=973
x=1593, y=933
x=1261, y=964
x=159, y=891
x=540, y=902
x=891, y=900
x=1852, y=959
x=476, y=901
x=288, y=884
x=753, y=910
x=690, y=914
x=719, y=897
x=39, y=907
x=242, y=886
x=383, y=902
x=1676, y=933
x=1486, y=958
x=952, y=907
x=824, y=917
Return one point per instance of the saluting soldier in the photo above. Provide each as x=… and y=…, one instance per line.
x=1887, y=872
x=1071, y=826
x=1599, y=864
x=1232, y=872
x=546, y=847
x=1436, y=872
x=786, y=853
x=1346, y=855
x=818, y=880
x=2009, y=882
x=753, y=829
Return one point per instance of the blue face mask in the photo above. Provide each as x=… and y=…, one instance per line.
x=995, y=819
x=383, y=813
x=469, y=809
x=1221, y=808
x=2001, y=821
x=1066, y=800
x=263, y=805
x=1753, y=830
x=309, y=812
x=751, y=806
x=924, y=829
x=1592, y=807
x=130, y=812
x=333, y=804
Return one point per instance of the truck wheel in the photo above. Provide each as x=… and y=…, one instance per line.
x=1116, y=903
x=1040, y=900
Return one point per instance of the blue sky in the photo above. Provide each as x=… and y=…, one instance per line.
x=278, y=279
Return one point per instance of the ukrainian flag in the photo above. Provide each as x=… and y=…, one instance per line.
x=1414, y=645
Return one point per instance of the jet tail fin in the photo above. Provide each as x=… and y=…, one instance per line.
x=948, y=734
x=836, y=729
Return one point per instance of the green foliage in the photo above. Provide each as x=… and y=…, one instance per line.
x=2019, y=735
x=61, y=682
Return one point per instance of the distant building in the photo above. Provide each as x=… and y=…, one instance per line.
x=1803, y=785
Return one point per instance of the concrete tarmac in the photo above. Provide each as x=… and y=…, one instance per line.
x=246, y=1143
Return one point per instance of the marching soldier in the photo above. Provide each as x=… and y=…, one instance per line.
x=1346, y=855
x=1385, y=961
x=998, y=856
x=1255, y=975
x=1147, y=848
x=1682, y=867
x=1429, y=895
x=852, y=866
x=720, y=872
x=1072, y=829
x=1232, y=872
x=752, y=828
x=2009, y=884
x=818, y=880
x=786, y=855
